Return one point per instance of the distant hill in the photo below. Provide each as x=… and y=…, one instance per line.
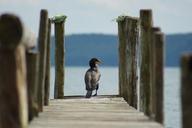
x=176, y=45
x=79, y=48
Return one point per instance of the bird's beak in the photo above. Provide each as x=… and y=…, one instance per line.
x=99, y=62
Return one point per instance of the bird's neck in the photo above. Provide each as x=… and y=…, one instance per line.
x=94, y=68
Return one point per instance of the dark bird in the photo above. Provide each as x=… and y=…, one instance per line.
x=92, y=77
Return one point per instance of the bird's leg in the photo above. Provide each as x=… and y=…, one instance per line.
x=96, y=90
x=95, y=93
x=88, y=95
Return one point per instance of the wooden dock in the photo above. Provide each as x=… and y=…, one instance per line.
x=96, y=112
x=25, y=79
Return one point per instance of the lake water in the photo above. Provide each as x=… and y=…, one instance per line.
x=74, y=85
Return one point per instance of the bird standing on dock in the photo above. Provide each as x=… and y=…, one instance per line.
x=92, y=77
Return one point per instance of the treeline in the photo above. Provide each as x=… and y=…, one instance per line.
x=81, y=47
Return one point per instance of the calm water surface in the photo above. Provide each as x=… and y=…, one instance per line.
x=74, y=85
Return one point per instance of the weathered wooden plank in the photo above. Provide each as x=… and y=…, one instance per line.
x=93, y=116
x=82, y=96
x=96, y=124
x=93, y=113
x=93, y=110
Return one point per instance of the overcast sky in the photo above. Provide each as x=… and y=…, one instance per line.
x=97, y=16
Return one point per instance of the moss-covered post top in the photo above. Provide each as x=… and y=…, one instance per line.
x=122, y=18
x=58, y=18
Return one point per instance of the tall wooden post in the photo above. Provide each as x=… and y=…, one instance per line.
x=131, y=37
x=186, y=90
x=13, y=96
x=122, y=57
x=48, y=65
x=32, y=77
x=145, y=75
x=153, y=72
x=42, y=45
x=159, y=67
x=128, y=41
x=59, y=57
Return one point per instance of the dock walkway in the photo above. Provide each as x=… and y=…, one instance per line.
x=96, y=112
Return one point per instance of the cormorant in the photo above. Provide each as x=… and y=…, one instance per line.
x=92, y=77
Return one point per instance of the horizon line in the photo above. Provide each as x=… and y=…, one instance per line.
x=112, y=34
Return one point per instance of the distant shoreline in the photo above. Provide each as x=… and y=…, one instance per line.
x=79, y=48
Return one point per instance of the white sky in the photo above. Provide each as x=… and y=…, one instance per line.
x=96, y=16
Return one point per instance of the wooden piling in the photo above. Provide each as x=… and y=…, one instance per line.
x=122, y=58
x=159, y=67
x=145, y=75
x=131, y=37
x=32, y=76
x=48, y=65
x=42, y=45
x=153, y=72
x=128, y=32
x=13, y=95
x=59, y=58
x=186, y=89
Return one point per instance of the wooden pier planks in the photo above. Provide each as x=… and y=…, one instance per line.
x=91, y=113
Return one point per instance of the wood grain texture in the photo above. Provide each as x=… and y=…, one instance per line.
x=48, y=66
x=153, y=73
x=13, y=92
x=32, y=77
x=145, y=74
x=92, y=113
x=132, y=37
x=186, y=89
x=122, y=58
x=159, y=67
x=42, y=45
x=59, y=60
